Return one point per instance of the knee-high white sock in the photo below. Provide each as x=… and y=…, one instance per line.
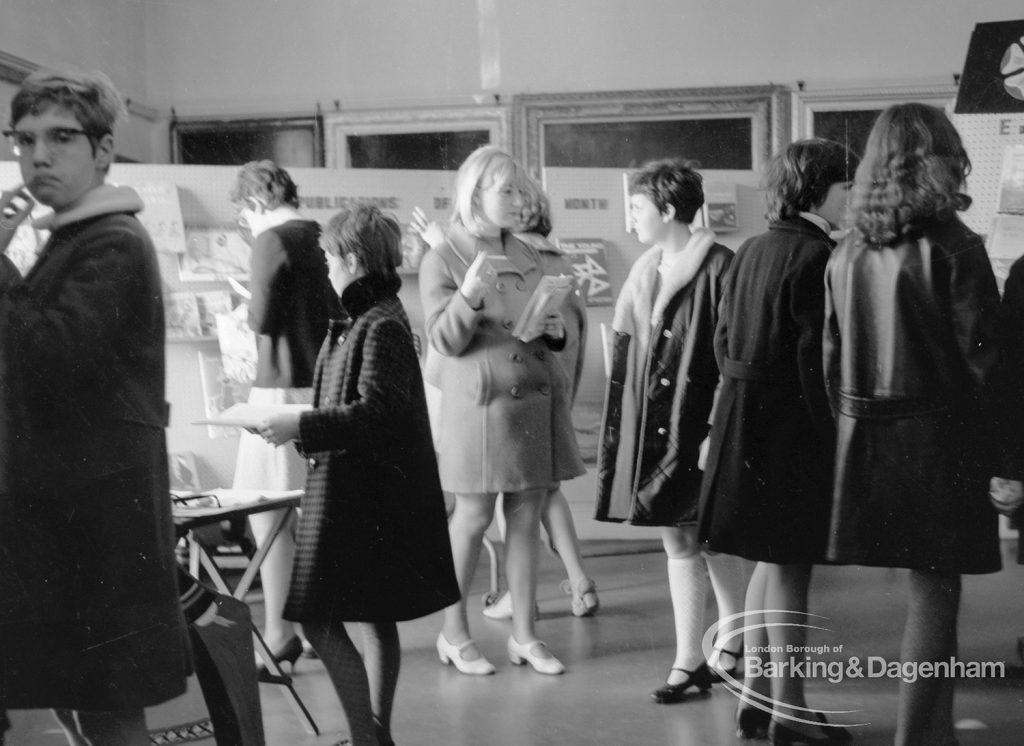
x=687, y=585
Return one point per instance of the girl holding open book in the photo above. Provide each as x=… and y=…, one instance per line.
x=505, y=423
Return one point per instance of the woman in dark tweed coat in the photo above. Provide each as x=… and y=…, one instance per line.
x=373, y=538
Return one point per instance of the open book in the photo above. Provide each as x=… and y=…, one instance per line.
x=251, y=415
x=551, y=292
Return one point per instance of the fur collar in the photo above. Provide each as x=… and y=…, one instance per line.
x=103, y=200
x=637, y=305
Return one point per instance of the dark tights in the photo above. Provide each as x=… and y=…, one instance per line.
x=365, y=683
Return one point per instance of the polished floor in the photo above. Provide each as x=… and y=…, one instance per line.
x=617, y=657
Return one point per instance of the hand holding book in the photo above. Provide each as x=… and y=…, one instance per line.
x=542, y=314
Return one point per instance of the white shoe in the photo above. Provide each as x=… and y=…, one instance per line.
x=449, y=653
x=520, y=654
x=502, y=608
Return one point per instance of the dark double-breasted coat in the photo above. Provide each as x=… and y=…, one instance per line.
x=768, y=476
x=89, y=611
x=911, y=350
x=372, y=541
x=661, y=388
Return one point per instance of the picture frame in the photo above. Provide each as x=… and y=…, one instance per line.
x=431, y=138
x=289, y=141
x=847, y=114
x=754, y=119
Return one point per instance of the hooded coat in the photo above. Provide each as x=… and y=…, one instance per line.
x=89, y=611
x=661, y=386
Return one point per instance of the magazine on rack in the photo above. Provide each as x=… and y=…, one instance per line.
x=551, y=292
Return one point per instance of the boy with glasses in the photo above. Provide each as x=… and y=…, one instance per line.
x=90, y=619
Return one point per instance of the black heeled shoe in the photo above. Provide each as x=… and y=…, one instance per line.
x=717, y=669
x=780, y=734
x=752, y=723
x=289, y=652
x=669, y=694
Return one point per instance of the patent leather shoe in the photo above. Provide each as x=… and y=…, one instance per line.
x=520, y=654
x=780, y=734
x=449, y=653
x=725, y=662
x=752, y=723
x=288, y=653
x=700, y=678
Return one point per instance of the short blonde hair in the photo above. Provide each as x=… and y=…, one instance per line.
x=483, y=167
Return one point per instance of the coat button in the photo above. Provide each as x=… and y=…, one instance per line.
x=520, y=285
x=516, y=393
x=500, y=286
x=665, y=382
x=545, y=390
x=508, y=323
x=515, y=357
x=312, y=463
x=662, y=431
x=667, y=334
x=539, y=354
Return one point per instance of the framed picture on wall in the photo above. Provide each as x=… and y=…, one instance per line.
x=291, y=142
x=435, y=138
x=718, y=128
x=846, y=115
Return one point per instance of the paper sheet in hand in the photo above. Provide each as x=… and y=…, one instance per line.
x=551, y=292
x=251, y=415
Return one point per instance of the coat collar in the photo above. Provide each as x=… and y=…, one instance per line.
x=637, y=305
x=366, y=292
x=103, y=200
x=465, y=246
x=801, y=225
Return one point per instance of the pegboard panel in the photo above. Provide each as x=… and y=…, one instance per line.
x=986, y=137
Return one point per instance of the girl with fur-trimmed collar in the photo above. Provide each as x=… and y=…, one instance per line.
x=661, y=388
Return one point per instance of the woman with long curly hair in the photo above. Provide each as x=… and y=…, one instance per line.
x=911, y=348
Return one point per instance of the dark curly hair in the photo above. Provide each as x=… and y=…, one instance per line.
x=267, y=182
x=672, y=181
x=373, y=236
x=798, y=178
x=914, y=170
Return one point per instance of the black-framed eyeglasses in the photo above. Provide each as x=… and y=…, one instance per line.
x=57, y=139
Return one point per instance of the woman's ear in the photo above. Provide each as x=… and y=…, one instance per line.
x=668, y=214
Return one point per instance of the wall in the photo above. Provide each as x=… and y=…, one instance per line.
x=271, y=55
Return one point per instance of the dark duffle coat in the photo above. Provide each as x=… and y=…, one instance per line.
x=911, y=352
x=661, y=388
x=89, y=610
x=372, y=541
x=768, y=478
x=505, y=418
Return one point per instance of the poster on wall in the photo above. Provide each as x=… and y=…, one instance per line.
x=589, y=260
x=1011, y=182
x=992, y=81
